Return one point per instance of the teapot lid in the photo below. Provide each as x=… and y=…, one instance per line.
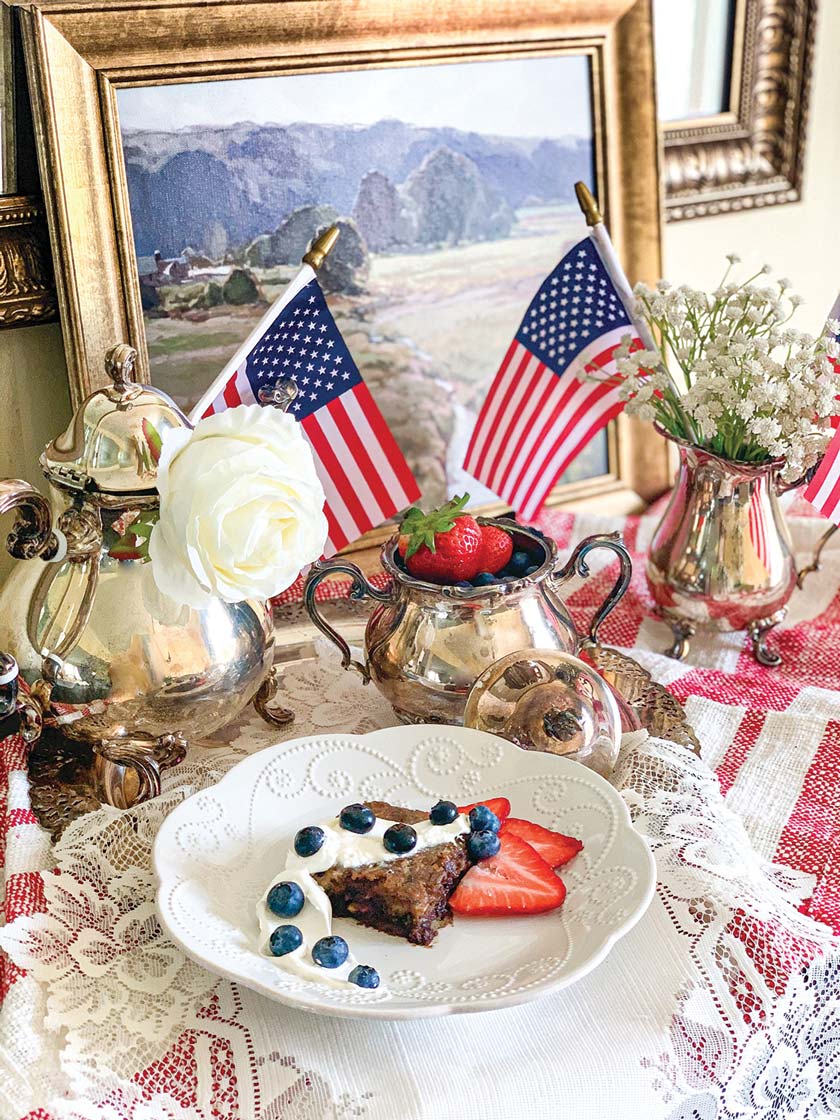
x=112, y=444
x=548, y=700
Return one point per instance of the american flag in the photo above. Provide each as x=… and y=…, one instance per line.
x=823, y=491
x=364, y=474
x=541, y=410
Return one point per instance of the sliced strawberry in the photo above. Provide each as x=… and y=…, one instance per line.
x=516, y=881
x=555, y=848
x=498, y=805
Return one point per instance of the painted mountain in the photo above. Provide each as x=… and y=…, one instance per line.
x=216, y=189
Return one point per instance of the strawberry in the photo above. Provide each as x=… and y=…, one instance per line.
x=443, y=546
x=555, y=848
x=499, y=805
x=516, y=881
x=496, y=549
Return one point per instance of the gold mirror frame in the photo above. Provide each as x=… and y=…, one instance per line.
x=27, y=293
x=79, y=55
x=752, y=154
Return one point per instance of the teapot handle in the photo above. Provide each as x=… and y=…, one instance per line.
x=33, y=533
x=576, y=565
x=361, y=589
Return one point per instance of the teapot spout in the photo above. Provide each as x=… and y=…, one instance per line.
x=33, y=533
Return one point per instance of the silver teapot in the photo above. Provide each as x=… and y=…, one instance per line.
x=123, y=666
x=426, y=644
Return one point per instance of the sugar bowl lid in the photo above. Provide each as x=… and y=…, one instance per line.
x=547, y=700
x=112, y=443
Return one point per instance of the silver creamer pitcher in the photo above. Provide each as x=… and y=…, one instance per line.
x=426, y=644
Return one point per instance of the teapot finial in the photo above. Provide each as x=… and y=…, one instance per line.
x=119, y=365
x=280, y=394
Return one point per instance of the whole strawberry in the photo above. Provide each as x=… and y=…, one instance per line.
x=496, y=549
x=444, y=546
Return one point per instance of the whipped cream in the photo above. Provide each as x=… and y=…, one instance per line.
x=341, y=848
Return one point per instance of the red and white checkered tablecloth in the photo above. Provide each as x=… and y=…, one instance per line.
x=783, y=785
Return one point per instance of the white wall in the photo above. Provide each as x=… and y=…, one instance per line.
x=801, y=240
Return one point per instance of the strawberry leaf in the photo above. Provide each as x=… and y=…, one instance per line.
x=421, y=528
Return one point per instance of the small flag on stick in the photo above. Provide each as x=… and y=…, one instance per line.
x=823, y=491
x=544, y=407
x=364, y=474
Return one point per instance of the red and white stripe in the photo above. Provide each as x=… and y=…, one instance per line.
x=236, y=392
x=365, y=477
x=823, y=491
x=364, y=474
x=534, y=423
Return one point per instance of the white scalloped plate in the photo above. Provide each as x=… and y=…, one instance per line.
x=215, y=854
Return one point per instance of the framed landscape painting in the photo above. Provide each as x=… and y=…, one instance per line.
x=194, y=157
x=453, y=188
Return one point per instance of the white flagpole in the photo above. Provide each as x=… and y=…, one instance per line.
x=312, y=259
x=606, y=251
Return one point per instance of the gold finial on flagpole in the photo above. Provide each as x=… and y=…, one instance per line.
x=319, y=250
x=588, y=204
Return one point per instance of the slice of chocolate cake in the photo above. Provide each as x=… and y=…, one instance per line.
x=407, y=897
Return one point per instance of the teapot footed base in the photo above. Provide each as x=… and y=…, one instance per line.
x=423, y=717
x=69, y=777
x=683, y=631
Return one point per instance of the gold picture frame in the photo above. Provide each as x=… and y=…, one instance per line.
x=752, y=153
x=27, y=293
x=78, y=56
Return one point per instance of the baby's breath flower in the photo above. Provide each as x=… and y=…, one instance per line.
x=728, y=377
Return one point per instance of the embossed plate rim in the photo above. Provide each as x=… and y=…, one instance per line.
x=180, y=873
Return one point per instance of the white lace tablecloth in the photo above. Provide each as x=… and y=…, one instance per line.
x=723, y=1003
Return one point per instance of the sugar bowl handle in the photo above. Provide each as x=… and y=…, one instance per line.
x=576, y=565
x=361, y=589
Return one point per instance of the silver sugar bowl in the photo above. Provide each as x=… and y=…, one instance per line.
x=426, y=644
x=131, y=672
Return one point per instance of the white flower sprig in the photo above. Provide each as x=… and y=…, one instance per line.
x=730, y=376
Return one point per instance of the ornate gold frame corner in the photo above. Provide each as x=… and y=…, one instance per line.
x=752, y=154
x=27, y=291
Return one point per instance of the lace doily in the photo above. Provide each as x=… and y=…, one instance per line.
x=721, y=1005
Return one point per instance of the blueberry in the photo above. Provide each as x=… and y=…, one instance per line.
x=399, y=838
x=357, y=818
x=444, y=812
x=465, y=583
x=309, y=840
x=483, y=819
x=484, y=579
x=285, y=939
x=285, y=900
x=530, y=571
x=518, y=562
x=364, y=976
x=330, y=952
x=483, y=844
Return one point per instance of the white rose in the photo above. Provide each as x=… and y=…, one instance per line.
x=241, y=508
